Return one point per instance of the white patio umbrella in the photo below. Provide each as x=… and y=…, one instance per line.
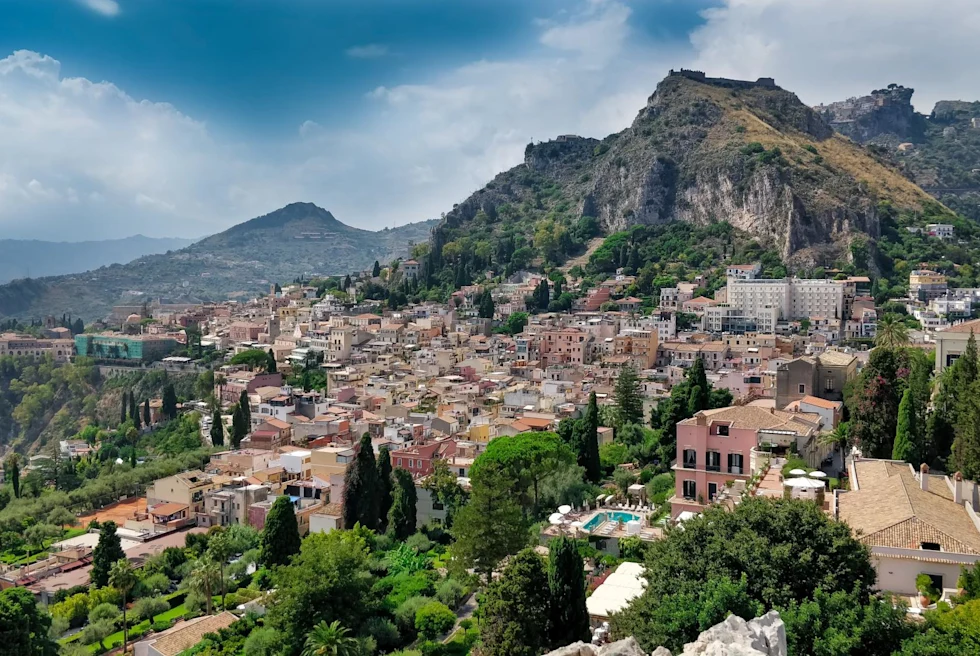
x=564, y=510
x=803, y=483
x=556, y=519
x=817, y=474
x=797, y=472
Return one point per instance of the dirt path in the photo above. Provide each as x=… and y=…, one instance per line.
x=583, y=259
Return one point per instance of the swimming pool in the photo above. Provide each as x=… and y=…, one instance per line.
x=612, y=516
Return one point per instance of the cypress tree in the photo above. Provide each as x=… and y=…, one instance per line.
x=384, y=488
x=486, y=305
x=11, y=472
x=590, y=441
x=280, y=537
x=270, y=364
x=134, y=411
x=515, y=609
x=146, y=412
x=106, y=553
x=376, y=271
x=217, y=429
x=347, y=282
x=697, y=378
x=569, y=618
x=123, y=408
x=246, y=408
x=239, y=426
x=906, y=434
x=361, y=488
x=169, y=409
x=402, y=516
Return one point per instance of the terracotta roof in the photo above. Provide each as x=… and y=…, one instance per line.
x=186, y=635
x=965, y=327
x=889, y=509
x=836, y=358
x=167, y=508
x=755, y=418
x=821, y=403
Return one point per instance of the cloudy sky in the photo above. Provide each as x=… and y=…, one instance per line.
x=184, y=117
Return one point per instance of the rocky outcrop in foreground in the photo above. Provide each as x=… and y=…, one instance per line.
x=763, y=636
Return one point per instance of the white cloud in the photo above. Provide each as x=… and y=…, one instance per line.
x=369, y=51
x=83, y=159
x=828, y=50
x=108, y=8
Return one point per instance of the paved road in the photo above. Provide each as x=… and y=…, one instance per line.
x=465, y=611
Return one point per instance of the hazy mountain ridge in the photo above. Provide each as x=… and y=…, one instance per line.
x=21, y=258
x=300, y=239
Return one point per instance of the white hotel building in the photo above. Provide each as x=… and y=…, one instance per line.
x=791, y=298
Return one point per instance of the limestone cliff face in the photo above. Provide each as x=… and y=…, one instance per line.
x=705, y=150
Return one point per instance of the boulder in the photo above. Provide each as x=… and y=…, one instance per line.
x=627, y=647
x=765, y=636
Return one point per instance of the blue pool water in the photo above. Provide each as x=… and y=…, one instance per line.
x=612, y=516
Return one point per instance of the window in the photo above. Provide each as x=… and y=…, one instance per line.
x=690, y=459
x=828, y=385
x=734, y=463
x=802, y=389
x=437, y=506
x=690, y=489
x=723, y=430
x=712, y=491
x=713, y=462
x=931, y=546
x=399, y=464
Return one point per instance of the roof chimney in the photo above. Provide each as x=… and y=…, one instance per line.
x=924, y=477
x=958, y=487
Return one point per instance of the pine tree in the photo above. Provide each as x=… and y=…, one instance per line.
x=169, y=408
x=146, y=412
x=907, y=440
x=79, y=327
x=590, y=441
x=569, y=617
x=347, y=282
x=280, y=538
x=239, y=427
x=361, y=488
x=123, y=408
x=376, y=271
x=217, y=429
x=106, y=553
x=134, y=411
x=270, y=364
x=243, y=403
x=515, y=609
x=384, y=488
x=402, y=516
x=627, y=394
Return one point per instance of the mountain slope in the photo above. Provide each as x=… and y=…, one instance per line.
x=940, y=152
x=702, y=150
x=20, y=258
x=300, y=239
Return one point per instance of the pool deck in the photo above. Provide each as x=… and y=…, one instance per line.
x=606, y=529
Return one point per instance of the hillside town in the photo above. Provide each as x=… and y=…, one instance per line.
x=305, y=379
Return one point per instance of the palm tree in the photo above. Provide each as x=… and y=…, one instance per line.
x=205, y=578
x=892, y=332
x=220, y=550
x=839, y=437
x=330, y=640
x=123, y=578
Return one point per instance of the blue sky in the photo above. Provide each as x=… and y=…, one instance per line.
x=183, y=117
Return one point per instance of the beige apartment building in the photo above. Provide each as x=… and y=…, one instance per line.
x=186, y=488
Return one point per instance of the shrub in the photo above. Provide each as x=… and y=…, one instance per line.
x=419, y=542
x=450, y=592
x=104, y=612
x=157, y=583
x=106, y=595
x=404, y=586
x=149, y=607
x=194, y=602
x=405, y=614
x=384, y=632
x=161, y=625
x=926, y=587
x=434, y=619
x=74, y=609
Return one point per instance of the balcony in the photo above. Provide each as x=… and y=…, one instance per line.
x=712, y=468
x=735, y=469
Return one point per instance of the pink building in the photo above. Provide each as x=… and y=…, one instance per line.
x=715, y=446
x=569, y=346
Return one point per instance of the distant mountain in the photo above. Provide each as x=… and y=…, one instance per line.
x=939, y=151
x=21, y=258
x=300, y=239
